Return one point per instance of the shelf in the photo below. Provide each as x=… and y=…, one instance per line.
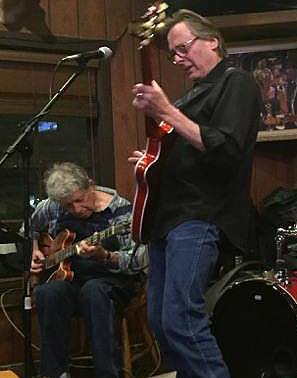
x=277, y=135
x=254, y=26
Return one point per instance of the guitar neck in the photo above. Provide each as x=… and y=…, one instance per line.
x=73, y=249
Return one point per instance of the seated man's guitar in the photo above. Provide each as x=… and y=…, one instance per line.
x=59, y=250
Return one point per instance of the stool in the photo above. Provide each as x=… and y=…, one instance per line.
x=135, y=313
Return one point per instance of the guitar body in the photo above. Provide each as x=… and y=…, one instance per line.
x=49, y=246
x=57, y=252
x=147, y=174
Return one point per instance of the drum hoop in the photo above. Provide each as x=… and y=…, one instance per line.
x=274, y=283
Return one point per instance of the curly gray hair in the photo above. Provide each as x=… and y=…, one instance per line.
x=65, y=178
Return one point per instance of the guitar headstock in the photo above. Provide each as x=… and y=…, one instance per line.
x=153, y=22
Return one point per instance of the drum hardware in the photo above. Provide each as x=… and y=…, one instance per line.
x=269, y=275
x=281, y=271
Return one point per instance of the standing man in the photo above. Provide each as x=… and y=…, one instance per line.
x=204, y=190
x=103, y=277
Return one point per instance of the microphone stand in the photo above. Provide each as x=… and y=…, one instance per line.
x=23, y=145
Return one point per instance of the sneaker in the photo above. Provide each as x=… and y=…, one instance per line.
x=65, y=375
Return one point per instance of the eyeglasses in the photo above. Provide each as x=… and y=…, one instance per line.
x=181, y=50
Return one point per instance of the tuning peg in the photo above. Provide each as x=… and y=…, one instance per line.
x=150, y=23
x=162, y=7
x=160, y=26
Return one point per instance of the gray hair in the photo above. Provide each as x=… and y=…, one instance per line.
x=63, y=179
x=200, y=27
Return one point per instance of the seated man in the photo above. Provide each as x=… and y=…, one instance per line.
x=104, y=274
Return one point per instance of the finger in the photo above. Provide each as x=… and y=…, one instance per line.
x=137, y=153
x=138, y=88
x=156, y=85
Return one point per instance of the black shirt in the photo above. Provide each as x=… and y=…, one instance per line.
x=213, y=185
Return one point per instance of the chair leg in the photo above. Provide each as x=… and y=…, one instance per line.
x=148, y=337
x=126, y=352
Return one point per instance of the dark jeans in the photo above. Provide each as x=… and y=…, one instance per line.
x=96, y=300
x=181, y=266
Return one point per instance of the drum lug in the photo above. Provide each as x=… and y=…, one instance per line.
x=281, y=274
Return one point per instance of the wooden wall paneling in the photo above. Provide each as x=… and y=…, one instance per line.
x=252, y=26
x=63, y=17
x=274, y=166
x=124, y=121
x=139, y=8
x=92, y=21
x=264, y=179
x=104, y=151
x=293, y=172
x=16, y=79
x=16, y=92
x=25, y=88
x=83, y=86
x=282, y=169
x=118, y=15
x=172, y=77
x=44, y=4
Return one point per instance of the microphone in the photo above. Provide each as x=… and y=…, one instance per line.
x=103, y=52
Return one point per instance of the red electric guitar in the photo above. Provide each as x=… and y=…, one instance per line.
x=158, y=144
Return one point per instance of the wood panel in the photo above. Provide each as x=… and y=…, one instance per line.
x=172, y=77
x=274, y=166
x=122, y=79
x=124, y=128
x=91, y=19
x=63, y=17
x=44, y=5
x=25, y=88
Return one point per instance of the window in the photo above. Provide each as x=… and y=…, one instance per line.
x=62, y=138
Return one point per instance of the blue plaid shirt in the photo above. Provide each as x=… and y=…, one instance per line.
x=49, y=216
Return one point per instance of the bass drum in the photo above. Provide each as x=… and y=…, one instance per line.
x=255, y=324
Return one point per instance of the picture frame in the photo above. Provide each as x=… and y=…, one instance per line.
x=274, y=67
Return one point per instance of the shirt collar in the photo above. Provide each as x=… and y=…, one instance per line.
x=214, y=74
x=115, y=197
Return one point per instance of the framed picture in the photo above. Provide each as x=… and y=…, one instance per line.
x=274, y=67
